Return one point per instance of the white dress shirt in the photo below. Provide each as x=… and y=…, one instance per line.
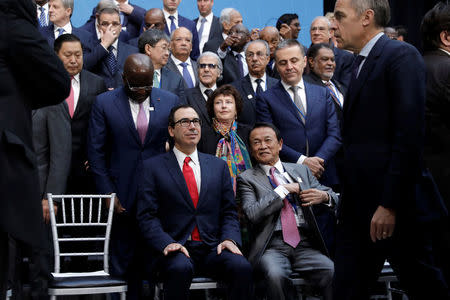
x=255, y=84
x=194, y=164
x=76, y=90
x=189, y=67
x=365, y=51
x=67, y=29
x=206, y=29
x=169, y=21
x=204, y=88
x=135, y=110
x=45, y=6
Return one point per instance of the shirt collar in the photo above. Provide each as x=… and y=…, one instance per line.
x=67, y=28
x=115, y=44
x=178, y=62
x=77, y=77
x=146, y=103
x=368, y=47
x=252, y=79
x=44, y=6
x=167, y=14
x=181, y=156
x=278, y=165
x=287, y=87
x=204, y=88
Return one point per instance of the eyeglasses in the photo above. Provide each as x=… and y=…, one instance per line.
x=163, y=48
x=106, y=24
x=185, y=123
x=147, y=88
x=318, y=28
x=257, y=54
x=211, y=66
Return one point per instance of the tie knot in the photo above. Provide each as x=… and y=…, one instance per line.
x=328, y=83
x=203, y=20
x=187, y=159
x=273, y=171
x=172, y=18
x=42, y=9
x=238, y=56
x=294, y=88
x=61, y=31
x=208, y=92
x=110, y=48
x=258, y=80
x=183, y=64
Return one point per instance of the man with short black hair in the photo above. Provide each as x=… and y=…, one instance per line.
x=289, y=26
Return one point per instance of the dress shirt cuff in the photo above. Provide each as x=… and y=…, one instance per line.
x=221, y=53
x=330, y=202
x=301, y=159
x=281, y=191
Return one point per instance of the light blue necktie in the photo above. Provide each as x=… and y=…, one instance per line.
x=200, y=30
x=172, y=24
x=60, y=32
x=187, y=77
x=42, y=18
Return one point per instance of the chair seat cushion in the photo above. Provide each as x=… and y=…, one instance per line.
x=85, y=281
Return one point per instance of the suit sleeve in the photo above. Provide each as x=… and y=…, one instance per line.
x=96, y=55
x=314, y=184
x=137, y=16
x=180, y=91
x=195, y=53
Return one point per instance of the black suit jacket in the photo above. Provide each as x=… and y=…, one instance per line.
x=213, y=44
x=31, y=76
x=172, y=82
x=245, y=88
x=214, y=32
x=210, y=138
x=194, y=97
x=344, y=61
x=231, y=70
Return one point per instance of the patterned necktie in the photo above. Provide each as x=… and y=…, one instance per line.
x=298, y=102
x=142, y=123
x=172, y=24
x=291, y=236
x=259, y=88
x=71, y=99
x=241, y=65
x=208, y=92
x=200, y=30
x=42, y=17
x=189, y=177
x=355, y=66
x=187, y=77
x=60, y=32
x=333, y=94
x=155, y=80
x=111, y=61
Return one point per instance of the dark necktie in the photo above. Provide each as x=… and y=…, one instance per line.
x=208, y=92
x=241, y=65
x=291, y=236
x=259, y=88
x=172, y=24
x=189, y=177
x=111, y=61
x=187, y=77
x=42, y=18
x=200, y=30
x=355, y=66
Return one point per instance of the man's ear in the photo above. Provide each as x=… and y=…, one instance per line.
x=445, y=38
x=368, y=17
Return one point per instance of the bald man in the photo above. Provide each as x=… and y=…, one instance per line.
x=127, y=125
x=154, y=18
x=271, y=35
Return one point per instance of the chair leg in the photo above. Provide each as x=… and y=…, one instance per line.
x=52, y=297
x=123, y=296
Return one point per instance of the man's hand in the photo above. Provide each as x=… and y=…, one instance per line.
x=227, y=244
x=254, y=34
x=293, y=188
x=108, y=37
x=316, y=165
x=228, y=42
x=118, y=208
x=46, y=210
x=382, y=224
x=125, y=8
x=173, y=247
x=285, y=31
x=313, y=196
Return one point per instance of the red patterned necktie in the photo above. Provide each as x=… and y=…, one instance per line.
x=188, y=174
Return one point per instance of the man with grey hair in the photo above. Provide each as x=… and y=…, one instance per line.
x=209, y=67
x=228, y=18
x=155, y=44
x=385, y=206
x=257, y=55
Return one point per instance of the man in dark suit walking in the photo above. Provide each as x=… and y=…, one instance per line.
x=188, y=216
x=257, y=55
x=381, y=213
x=207, y=24
x=127, y=126
x=32, y=77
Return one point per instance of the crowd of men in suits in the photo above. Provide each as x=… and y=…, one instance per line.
x=339, y=183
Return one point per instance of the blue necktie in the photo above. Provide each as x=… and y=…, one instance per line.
x=111, y=61
x=42, y=18
x=60, y=31
x=172, y=24
x=187, y=77
x=241, y=65
x=200, y=30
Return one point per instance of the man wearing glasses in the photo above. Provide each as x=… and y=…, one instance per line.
x=127, y=126
x=187, y=214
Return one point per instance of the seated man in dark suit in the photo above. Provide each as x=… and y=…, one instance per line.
x=174, y=20
x=209, y=70
x=271, y=35
x=277, y=199
x=257, y=55
x=188, y=216
x=110, y=62
x=154, y=18
x=155, y=44
x=228, y=18
x=320, y=32
x=208, y=25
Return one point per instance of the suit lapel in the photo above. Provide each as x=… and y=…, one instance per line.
x=200, y=103
x=282, y=95
x=171, y=163
x=295, y=176
x=155, y=106
x=261, y=177
x=248, y=90
x=204, y=161
x=123, y=105
x=309, y=100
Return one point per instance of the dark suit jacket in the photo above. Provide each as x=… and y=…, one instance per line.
x=383, y=135
x=132, y=22
x=114, y=147
x=210, y=138
x=80, y=180
x=272, y=72
x=31, y=76
x=185, y=22
x=213, y=44
x=262, y=206
x=322, y=127
x=53, y=145
x=215, y=31
x=166, y=213
x=245, y=88
x=344, y=61
x=172, y=67
x=89, y=26
x=173, y=82
x=195, y=98
x=101, y=68
x=231, y=70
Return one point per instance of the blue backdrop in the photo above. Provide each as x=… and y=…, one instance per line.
x=256, y=13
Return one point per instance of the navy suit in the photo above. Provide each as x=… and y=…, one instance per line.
x=167, y=215
x=344, y=61
x=173, y=67
x=172, y=82
x=214, y=32
x=245, y=89
x=213, y=44
x=185, y=22
x=115, y=151
x=194, y=98
x=383, y=139
x=231, y=71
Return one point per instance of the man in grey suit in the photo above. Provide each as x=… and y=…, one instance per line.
x=179, y=60
x=277, y=199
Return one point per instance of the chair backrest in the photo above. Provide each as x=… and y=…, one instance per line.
x=81, y=211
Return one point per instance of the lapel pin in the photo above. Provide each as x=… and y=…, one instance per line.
x=249, y=96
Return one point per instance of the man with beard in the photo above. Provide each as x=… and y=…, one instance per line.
x=127, y=126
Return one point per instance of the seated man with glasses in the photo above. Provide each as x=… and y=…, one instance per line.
x=187, y=214
x=127, y=126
